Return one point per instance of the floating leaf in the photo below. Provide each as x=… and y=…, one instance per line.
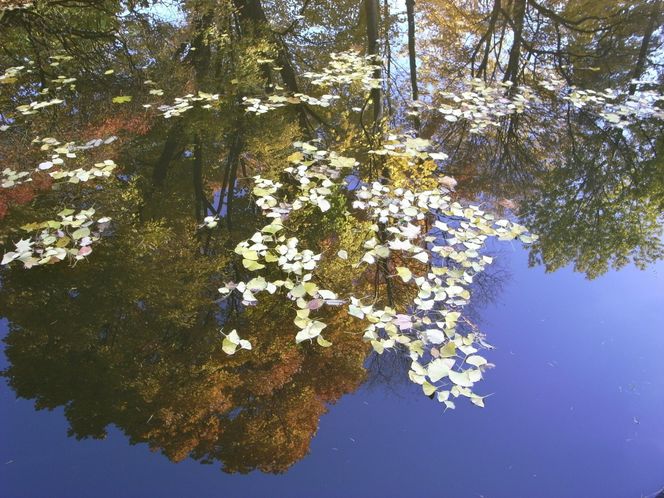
x=312, y=330
x=404, y=273
x=323, y=342
x=428, y=388
x=252, y=265
x=9, y=257
x=122, y=99
x=80, y=233
x=460, y=379
x=476, y=361
x=439, y=368
x=232, y=342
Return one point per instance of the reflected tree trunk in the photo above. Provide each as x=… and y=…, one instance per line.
x=201, y=203
x=487, y=39
x=252, y=12
x=653, y=24
x=234, y=158
x=412, y=57
x=373, y=49
x=517, y=21
x=167, y=155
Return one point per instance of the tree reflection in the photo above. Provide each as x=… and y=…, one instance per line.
x=134, y=340
x=593, y=194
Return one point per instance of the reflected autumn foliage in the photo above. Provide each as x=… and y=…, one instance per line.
x=135, y=339
x=134, y=342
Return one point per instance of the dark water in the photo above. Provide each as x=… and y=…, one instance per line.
x=115, y=382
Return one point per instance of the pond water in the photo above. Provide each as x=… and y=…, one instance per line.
x=576, y=412
x=236, y=261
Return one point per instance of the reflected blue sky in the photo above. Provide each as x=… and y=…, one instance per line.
x=576, y=412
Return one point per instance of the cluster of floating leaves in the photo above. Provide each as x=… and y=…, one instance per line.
x=69, y=237
x=10, y=177
x=314, y=171
x=346, y=68
x=55, y=164
x=483, y=104
x=615, y=108
x=232, y=343
x=35, y=107
x=618, y=110
x=14, y=5
x=49, y=143
x=405, y=146
x=102, y=169
x=263, y=105
x=443, y=359
x=183, y=104
x=11, y=75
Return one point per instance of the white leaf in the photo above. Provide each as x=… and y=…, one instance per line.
x=422, y=256
x=9, y=257
x=439, y=368
x=460, y=378
x=326, y=294
x=404, y=273
x=435, y=336
x=476, y=361
x=312, y=330
x=323, y=204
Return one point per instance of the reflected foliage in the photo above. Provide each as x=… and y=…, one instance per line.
x=135, y=342
x=592, y=193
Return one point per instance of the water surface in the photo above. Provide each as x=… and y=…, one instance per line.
x=117, y=380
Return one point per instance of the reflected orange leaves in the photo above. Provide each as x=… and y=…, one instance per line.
x=23, y=193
